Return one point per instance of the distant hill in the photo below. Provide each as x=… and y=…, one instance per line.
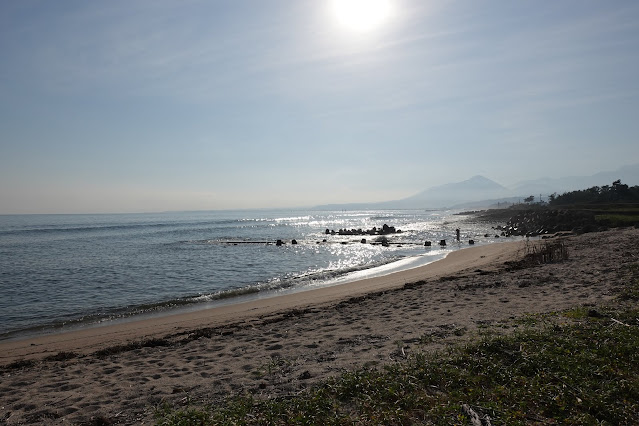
x=479, y=191
x=546, y=186
x=476, y=188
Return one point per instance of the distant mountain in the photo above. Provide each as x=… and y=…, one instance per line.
x=546, y=186
x=480, y=191
x=476, y=188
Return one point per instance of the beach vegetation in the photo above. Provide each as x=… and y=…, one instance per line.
x=630, y=291
x=570, y=368
x=531, y=320
x=276, y=366
x=460, y=331
x=577, y=312
x=190, y=416
x=617, y=220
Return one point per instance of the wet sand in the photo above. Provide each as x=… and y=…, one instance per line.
x=283, y=345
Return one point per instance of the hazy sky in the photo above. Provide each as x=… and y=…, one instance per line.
x=123, y=106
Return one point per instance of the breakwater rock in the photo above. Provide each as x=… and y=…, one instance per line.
x=547, y=221
x=384, y=230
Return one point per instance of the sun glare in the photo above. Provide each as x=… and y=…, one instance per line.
x=361, y=15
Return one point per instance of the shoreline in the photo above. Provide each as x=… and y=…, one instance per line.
x=85, y=340
x=234, y=295
x=281, y=346
x=180, y=307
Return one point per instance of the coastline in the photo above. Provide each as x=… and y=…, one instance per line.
x=86, y=340
x=281, y=346
x=87, y=271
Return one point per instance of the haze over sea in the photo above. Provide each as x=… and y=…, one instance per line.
x=61, y=271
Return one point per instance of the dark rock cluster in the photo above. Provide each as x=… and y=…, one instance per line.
x=384, y=230
x=540, y=222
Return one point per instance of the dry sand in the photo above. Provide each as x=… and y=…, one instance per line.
x=283, y=345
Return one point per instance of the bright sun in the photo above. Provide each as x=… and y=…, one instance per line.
x=361, y=15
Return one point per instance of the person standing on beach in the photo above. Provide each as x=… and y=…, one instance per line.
x=457, y=232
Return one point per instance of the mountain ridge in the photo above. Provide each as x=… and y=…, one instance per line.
x=479, y=190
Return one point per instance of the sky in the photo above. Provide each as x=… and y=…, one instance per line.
x=156, y=105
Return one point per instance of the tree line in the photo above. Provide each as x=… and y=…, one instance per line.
x=615, y=193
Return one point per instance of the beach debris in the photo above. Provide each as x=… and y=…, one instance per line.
x=593, y=313
x=61, y=356
x=475, y=420
x=304, y=376
x=619, y=322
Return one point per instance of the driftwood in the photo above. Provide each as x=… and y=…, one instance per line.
x=475, y=420
x=619, y=322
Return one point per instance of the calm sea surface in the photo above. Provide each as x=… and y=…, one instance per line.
x=60, y=271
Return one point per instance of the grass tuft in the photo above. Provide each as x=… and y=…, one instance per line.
x=166, y=416
x=630, y=292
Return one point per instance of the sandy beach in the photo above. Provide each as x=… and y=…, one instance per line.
x=282, y=345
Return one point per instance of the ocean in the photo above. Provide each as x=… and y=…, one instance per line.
x=59, y=272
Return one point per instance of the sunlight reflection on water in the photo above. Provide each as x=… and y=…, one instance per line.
x=57, y=269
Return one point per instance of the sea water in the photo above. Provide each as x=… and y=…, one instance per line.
x=61, y=271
